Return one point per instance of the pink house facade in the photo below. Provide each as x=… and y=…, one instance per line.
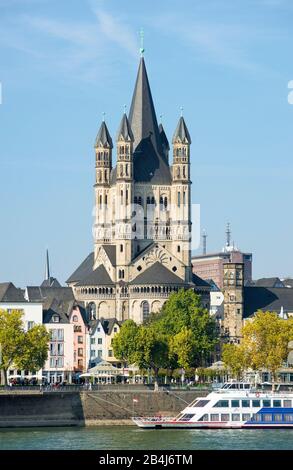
x=80, y=339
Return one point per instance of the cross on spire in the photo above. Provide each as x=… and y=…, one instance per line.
x=141, y=50
x=181, y=111
x=104, y=114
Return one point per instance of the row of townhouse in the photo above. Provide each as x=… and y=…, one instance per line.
x=76, y=343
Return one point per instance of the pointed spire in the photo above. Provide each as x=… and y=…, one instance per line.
x=149, y=159
x=142, y=115
x=181, y=133
x=103, y=138
x=164, y=141
x=124, y=131
x=47, y=269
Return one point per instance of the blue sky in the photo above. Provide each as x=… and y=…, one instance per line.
x=65, y=62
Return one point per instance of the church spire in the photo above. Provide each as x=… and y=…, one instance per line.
x=149, y=159
x=47, y=268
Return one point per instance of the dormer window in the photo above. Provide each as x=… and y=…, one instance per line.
x=56, y=319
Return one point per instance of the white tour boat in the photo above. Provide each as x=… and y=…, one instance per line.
x=234, y=405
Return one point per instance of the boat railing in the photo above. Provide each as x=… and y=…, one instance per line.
x=153, y=419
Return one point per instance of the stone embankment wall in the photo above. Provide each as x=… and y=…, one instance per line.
x=88, y=407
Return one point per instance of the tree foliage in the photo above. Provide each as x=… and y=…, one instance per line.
x=178, y=336
x=264, y=344
x=23, y=349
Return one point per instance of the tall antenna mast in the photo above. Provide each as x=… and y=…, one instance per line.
x=47, y=270
x=228, y=235
x=204, y=242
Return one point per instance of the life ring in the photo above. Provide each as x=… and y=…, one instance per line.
x=257, y=394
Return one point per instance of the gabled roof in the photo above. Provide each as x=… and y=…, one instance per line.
x=57, y=308
x=111, y=253
x=124, y=131
x=108, y=324
x=51, y=282
x=198, y=281
x=149, y=160
x=157, y=273
x=10, y=293
x=97, y=277
x=271, y=299
x=181, y=133
x=83, y=270
x=103, y=138
x=269, y=282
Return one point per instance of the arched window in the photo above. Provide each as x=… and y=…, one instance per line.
x=139, y=200
x=75, y=318
x=153, y=200
x=145, y=310
x=148, y=200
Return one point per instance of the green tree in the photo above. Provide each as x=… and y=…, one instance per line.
x=24, y=349
x=152, y=349
x=34, y=350
x=125, y=342
x=11, y=339
x=183, y=346
x=265, y=341
x=184, y=314
x=235, y=358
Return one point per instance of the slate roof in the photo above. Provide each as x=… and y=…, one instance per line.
x=83, y=270
x=149, y=159
x=124, y=130
x=103, y=137
x=59, y=308
x=51, y=282
x=97, y=277
x=157, y=274
x=271, y=299
x=269, y=282
x=198, y=281
x=10, y=293
x=164, y=141
x=108, y=324
x=181, y=133
x=111, y=253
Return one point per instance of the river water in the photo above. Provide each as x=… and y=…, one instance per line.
x=130, y=437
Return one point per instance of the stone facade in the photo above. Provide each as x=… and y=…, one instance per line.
x=142, y=231
x=233, y=302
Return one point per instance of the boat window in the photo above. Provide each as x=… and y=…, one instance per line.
x=235, y=403
x=277, y=403
x=201, y=403
x=221, y=404
x=259, y=417
x=186, y=417
x=214, y=417
x=288, y=417
x=241, y=386
x=245, y=403
x=267, y=417
x=235, y=417
x=253, y=418
x=287, y=403
x=204, y=418
x=247, y=386
x=266, y=403
x=246, y=417
x=256, y=403
x=277, y=417
x=225, y=417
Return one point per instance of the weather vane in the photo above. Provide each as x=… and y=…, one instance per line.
x=141, y=50
x=181, y=109
x=124, y=107
x=104, y=114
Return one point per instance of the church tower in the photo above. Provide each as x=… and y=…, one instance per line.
x=181, y=195
x=124, y=199
x=233, y=301
x=142, y=217
x=103, y=157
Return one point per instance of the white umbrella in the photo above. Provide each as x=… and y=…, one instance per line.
x=87, y=375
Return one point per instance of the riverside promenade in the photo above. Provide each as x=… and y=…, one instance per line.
x=78, y=406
